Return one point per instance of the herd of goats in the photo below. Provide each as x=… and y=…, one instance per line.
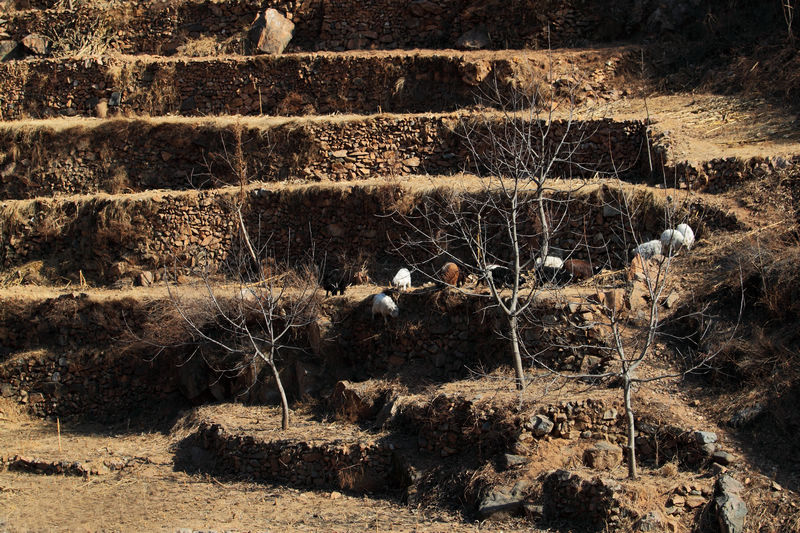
x=552, y=270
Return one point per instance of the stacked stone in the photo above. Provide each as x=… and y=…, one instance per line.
x=34, y=465
x=588, y=419
x=341, y=24
x=136, y=156
x=353, y=464
x=274, y=85
x=121, y=237
x=580, y=499
x=88, y=382
x=721, y=174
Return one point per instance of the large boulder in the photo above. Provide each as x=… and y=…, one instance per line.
x=270, y=32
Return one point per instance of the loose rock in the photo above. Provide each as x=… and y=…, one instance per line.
x=474, y=39
x=731, y=509
x=541, y=425
x=36, y=44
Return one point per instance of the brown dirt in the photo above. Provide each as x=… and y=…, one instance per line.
x=149, y=495
x=707, y=126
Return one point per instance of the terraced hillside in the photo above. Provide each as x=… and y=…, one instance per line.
x=139, y=142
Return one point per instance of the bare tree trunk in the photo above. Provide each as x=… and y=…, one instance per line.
x=284, y=401
x=545, y=235
x=632, y=471
x=512, y=321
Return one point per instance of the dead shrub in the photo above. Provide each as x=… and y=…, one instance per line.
x=202, y=47
x=765, y=347
x=117, y=181
x=357, y=478
x=90, y=34
x=668, y=470
x=294, y=103
x=119, y=222
x=50, y=223
x=446, y=300
x=14, y=217
x=33, y=273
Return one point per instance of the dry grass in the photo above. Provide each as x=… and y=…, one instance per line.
x=14, y=216
x=93, y=33
x=763, y=266
x=115, y=225
x=212, y=47
x=32, y=273
x=117, y=181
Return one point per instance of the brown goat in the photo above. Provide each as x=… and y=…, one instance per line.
x=578, y=268
x=452, y=275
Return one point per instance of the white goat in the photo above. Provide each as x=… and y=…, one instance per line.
x=402, y=280
x=688, y=235
x=672, y=240
x=550, y=261
x=649, y=249
x=382, y=304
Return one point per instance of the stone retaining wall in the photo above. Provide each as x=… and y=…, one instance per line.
x=581, y=499
x=282, y=85
x=155, y=28
x=721, y=174
x=71, y=354
x=92, y=383
x=357, y=466
x=101, y=367
x=133, y=156
x=112, y=239
x=451, y=424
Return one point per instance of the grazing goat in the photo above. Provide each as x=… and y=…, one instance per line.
x=649, y=249
x=336, y=280
x=550, y=261
x=402, y=280
x=382, y=304
x=501, y=276
x=672, y=240
x=688, y=235
x=452, y=275
x=580, y=269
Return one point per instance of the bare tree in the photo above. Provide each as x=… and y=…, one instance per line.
x=499, y=225
x=253, y=314
x=788, y=7
x=254, y=308
x=512, y=216
x=627, y=310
